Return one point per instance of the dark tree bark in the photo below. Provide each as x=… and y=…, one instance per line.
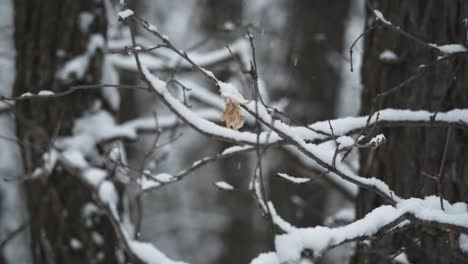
x=47, y=34
x=313, y=34
x=411, y=152
x=243, y=213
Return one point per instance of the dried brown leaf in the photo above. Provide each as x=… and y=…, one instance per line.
x=232, y=115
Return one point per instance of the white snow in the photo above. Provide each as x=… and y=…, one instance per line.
x=166, y=121
x=40, y=93
x=110, y=76
x=149, y=254
x=85, y=20
x=463, y=242
x=381, y=17
x=27, y=94
x=314, y=152
x=101, y=126
x=228, y=25
x=340, y=126
x=200, y=123
x=46, y=93
x=345, y=141
x=235, y=149
x=114, y=155
x=224, y=185
x=256, y=186
x=450, y=48
x=78, y=66
x=402, y=258
x=228, y=90
x=146, y=183
x=266, y=258
x=203, y=95
x=165, y=60
x=295, y=133
x=75, y=244
x=97, y=238
x=290, y=245
x=377, y=140
x=293, y=179
x=75, y=158
x=280, y=222
x=108, y=195
x=50, y=159
x=164, y=177
x=388, y=56
x=347, y=214
x=5, y=106
x=122, y=15
x=94, y=176
x=152, y=28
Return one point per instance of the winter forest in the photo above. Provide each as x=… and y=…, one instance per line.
x=230, y=131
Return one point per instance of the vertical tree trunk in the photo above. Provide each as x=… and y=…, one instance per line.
x=242, y=211
x=313, y=43
x=47, y=34
x=411, y=152
x=315, y=37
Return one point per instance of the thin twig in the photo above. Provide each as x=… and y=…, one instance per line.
x=441, y=170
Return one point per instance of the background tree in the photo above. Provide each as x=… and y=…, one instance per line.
x=48, y=34
x=416, y=162
x=76, y=170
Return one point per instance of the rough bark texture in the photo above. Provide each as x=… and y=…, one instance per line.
x=47, y=34
x=411, y=151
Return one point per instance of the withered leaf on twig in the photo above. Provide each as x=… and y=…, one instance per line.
x=232, y=115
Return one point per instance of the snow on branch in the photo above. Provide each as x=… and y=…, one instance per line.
x=450, y=48
x=323, y=159
x=293, y=179
x=124, y=14
x=385, y=118
x=105, y=196
x=387, y=218
x=150, y=254
x=200, y=124
x=159, y=60
x=381, y=17
x=349, y=189
x=343, y=126
x=165, y=121
x=150, y=184
x=447, y=49
x=318, y=240
x=282, y=130
x=224, y=186
x=100, y=126
x=77, y=67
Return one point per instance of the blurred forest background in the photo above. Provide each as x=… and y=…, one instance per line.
x=302, y=50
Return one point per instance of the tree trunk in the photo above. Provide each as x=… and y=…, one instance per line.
x=315, y=38
x=410, y=153
x=242, y=211
x=47, y=34
x=312, y=47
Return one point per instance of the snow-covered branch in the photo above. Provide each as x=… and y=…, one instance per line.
x=379, y=222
